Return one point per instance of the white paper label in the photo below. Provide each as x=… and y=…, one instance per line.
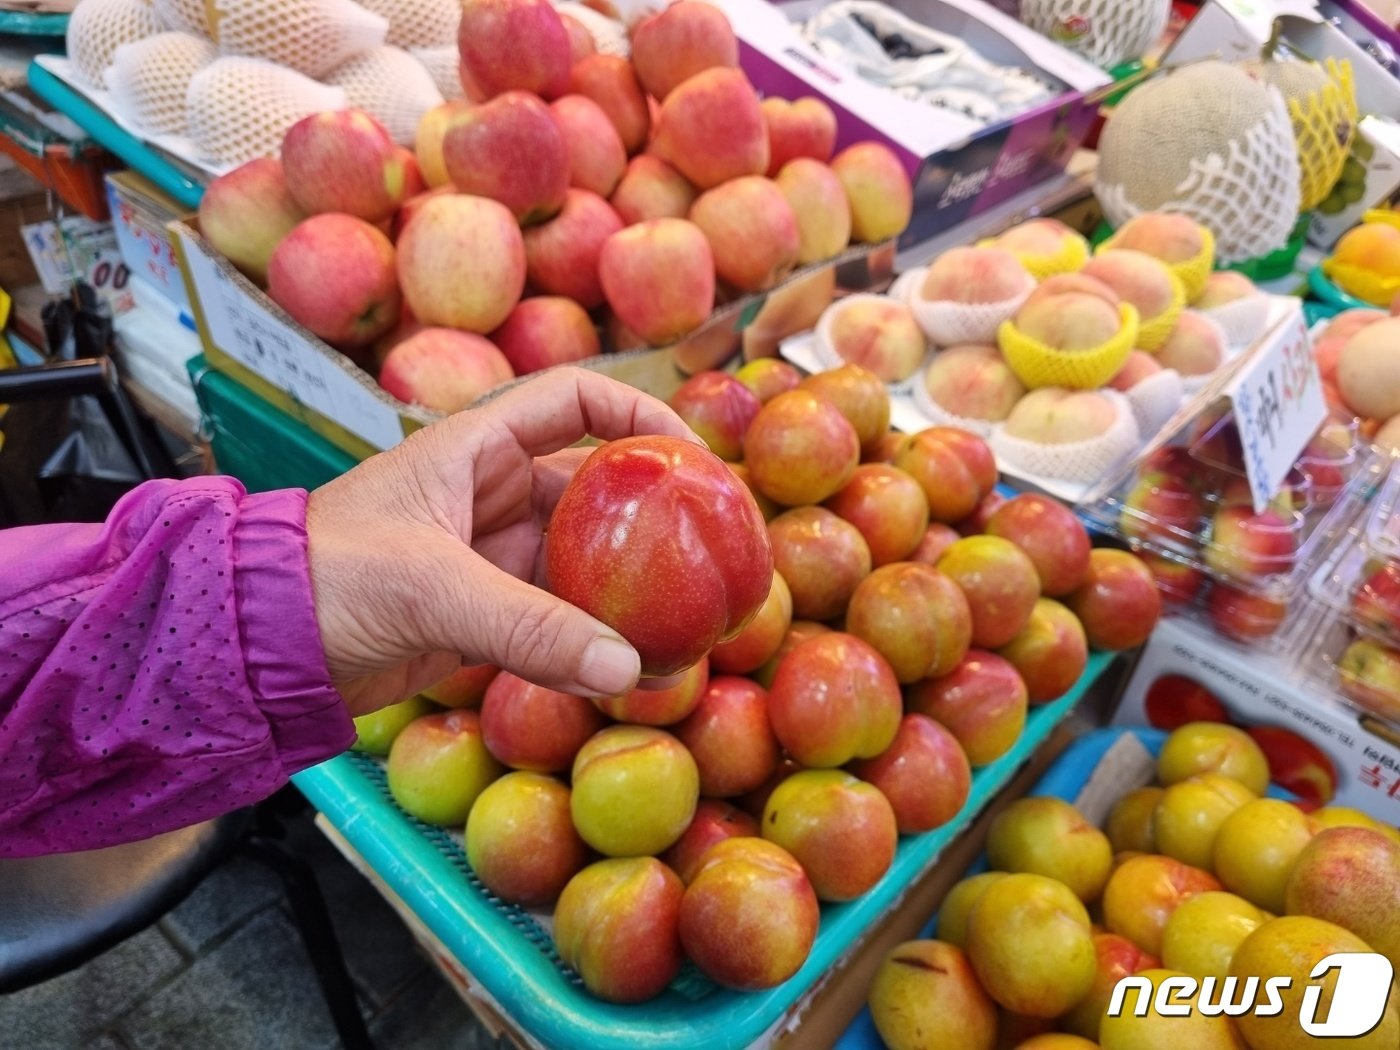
x=1278, y=403
x=280, y=354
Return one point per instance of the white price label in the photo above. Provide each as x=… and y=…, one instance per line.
x=1278, y=402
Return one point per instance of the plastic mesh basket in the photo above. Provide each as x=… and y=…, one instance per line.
x=512, y=959
x=98, y=27
x=150, y=78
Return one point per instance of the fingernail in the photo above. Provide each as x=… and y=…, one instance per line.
x=610, y=666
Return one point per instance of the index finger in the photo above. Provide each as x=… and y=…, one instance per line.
x=566, y=404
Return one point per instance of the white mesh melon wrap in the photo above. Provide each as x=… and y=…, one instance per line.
x=312, y=37
x=1212, y=143
x=98, y=27
x=150, y=78
x=609, y=35
x=1111, y=31
x=239, y=108
x=186, y=16
x=390, y=85
x=419, y=23
x=444, y=66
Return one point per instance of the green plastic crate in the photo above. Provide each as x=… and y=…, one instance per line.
x=258, y=444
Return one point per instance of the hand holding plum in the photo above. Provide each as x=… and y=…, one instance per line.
x=426, y=557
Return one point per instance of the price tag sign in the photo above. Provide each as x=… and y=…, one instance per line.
x=1278, y=402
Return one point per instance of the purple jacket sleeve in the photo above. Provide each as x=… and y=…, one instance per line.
x=159, y=669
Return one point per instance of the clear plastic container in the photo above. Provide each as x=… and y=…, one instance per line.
x=1357, y=665
x=1189, y=503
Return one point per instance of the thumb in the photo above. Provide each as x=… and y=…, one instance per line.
x=529, y=632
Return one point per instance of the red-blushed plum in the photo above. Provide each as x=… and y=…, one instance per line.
x=617, y=923
x=334, y=274
x=1050, y=653
x=683, y=39
x=443, y=369
x=1000, y=583
x=659, y=707
x=1115, y=958
x=799, y=632
x=957, y=906
x=376, y=731
x=438, y=765
x=859, y=395
x=562, y=255
x=753, y=802
x=529, y=727
x=245, y=214
x=719, y=408
x=749, y=916
x=982, y=702
x=766, y=506
x=1052, y=537
x=1143, y=892
x=464, y=687
x=659, y=278
x=822, y=557
x=1244, y=616
x=887, y=449
x=1350, y=877
x=1048, y=836
x=608, y=80
x=1162, y=508
x=833, y=699
x=800, y=449
x=840, y=829
x=925, y=995
x=924, y=775
x=657, y=538
x=711, y=129
x=512, y=150
x=1376, y=603
x=913, y=616
x=1118, y=602
x=948, y=482
x=1243, y=544
x=1179, y=582
x=937, y=538
x=975, y=454
x=343, y=162
x=731, y=738
x=758, y=642
x=634, y=791
x=975, y=524
x=545, y=331
x=714, y=821
x=768, y=377
x=887, y=506
x=1369, y=674
x=521, y=841
x=514, y=44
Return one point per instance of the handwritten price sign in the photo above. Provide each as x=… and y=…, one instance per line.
x=1277, y=396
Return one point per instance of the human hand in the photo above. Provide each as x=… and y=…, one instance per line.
x=428, y=556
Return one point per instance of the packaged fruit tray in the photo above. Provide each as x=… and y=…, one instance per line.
x=1068, y=779
x=509, y=952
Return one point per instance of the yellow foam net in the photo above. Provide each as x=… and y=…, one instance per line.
x=1038, y=365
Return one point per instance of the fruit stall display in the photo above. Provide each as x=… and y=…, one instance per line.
x=1208, y=874
x=909, y=636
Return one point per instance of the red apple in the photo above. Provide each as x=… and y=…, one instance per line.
x=645, y=518
x=834, y=698
x=529, y=727
x=659, y=707
x=982, y=702
x=1376, y=604
x=609, y=81
x=561, y=255
x=719, y=408
x=652, y=189
x=1000, y=583
x=711, y=130
x=659, y=278
x=1245, y=544
x=443, y=369
x=803, y=128
x=924, y=775
x=800, y=449
x=1052, y=537
x=1178, y=581
x=822, y=557
x=1117, y=603
x=1050, y=653
x=757, y=643
x=682, y=40
x=915, y=617
x=714, y=821
x=343, y=161
x=511, y=150
x=731, y=738
x=887, y=506
x=334, y=274
x=245, y=213
x=597, y=157
x=546, y=331
x=1369, y=674
x=752, y=232
x=514, y=44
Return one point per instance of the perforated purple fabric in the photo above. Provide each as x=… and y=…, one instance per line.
x=159, y=669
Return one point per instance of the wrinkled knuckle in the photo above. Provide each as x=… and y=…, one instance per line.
x=537, y=637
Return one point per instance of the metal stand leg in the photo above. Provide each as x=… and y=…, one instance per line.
x=318, y=934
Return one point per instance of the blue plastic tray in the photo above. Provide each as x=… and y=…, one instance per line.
x=513, y=959
x=1065, y=779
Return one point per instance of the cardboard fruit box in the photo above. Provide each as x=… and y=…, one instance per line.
x=252, y=340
